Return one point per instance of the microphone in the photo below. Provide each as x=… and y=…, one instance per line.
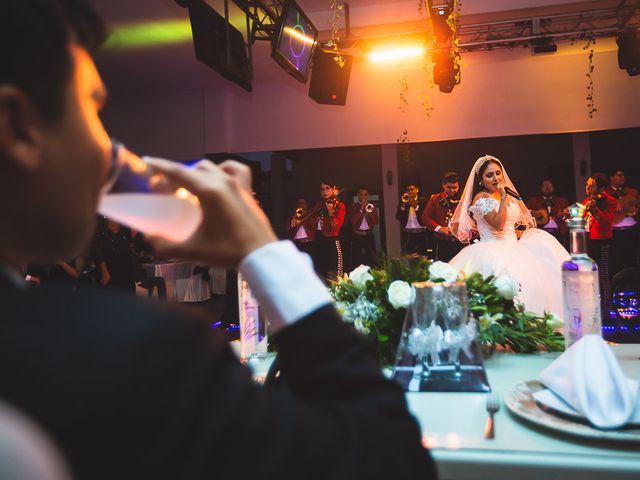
x=515, y=195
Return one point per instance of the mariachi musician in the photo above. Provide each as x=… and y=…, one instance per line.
x=328, y=216
x=437, y=215
x=548, y=210
x=301, y=229
x=624, y=243
x=363, y=216
x=409, y=214
x=600, y=208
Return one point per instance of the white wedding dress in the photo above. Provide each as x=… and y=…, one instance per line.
x=533, y=262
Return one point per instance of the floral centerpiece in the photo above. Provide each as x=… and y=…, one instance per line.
x=375, y=301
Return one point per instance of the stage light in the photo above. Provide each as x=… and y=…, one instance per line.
x=389, y=54
x=149, y=34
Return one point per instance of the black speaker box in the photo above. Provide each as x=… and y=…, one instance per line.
x=629, y=51
x=210, y=30
x=329, y=81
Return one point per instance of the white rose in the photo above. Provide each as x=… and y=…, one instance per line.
x=341, y=307
x=443, y=270
x=554, y=321
x=360, y=276
x=506, y=286
x=400, y=294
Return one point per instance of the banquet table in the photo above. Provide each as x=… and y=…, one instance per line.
x=182, y=285
x=453, y=427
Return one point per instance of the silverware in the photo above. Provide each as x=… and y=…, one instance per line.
x=493, y=405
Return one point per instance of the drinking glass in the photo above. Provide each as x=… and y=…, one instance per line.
x=454, y=310
x=136, y=196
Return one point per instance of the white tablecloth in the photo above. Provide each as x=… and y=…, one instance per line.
x=182, y=285
x=453, y=427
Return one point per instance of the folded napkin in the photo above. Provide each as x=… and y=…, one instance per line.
x=588, y=377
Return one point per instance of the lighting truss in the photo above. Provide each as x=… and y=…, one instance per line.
x=262, y=17
x=566, y=26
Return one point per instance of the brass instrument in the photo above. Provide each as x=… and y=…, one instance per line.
x=370, y=207
x=406, y=198
x=299, y=213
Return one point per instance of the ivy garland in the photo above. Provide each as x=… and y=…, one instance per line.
x=337, y=8
x=590, y=41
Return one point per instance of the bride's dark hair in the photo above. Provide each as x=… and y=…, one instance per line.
x=478, y=184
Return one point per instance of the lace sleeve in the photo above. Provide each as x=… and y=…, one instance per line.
x=484, y=205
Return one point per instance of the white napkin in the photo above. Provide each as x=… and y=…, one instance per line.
x=588, y=377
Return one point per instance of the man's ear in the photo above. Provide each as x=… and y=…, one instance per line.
x=20, y=129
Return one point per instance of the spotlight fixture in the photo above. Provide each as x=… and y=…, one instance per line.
x=544, y=45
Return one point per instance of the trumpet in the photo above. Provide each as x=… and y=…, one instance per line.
x=406, y=198
x=299, y=213
x=369, y=207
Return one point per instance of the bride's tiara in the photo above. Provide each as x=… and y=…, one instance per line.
x=482, y=160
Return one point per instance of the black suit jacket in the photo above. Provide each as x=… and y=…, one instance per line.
x=131, y=390
x=402, y=212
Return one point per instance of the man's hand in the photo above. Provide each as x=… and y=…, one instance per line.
x=232, y=223
x=445, y=230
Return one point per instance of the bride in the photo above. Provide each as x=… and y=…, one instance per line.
x=533, y=262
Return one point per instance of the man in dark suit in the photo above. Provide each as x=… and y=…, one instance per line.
x=132, y=390
x=363, y=216
x=624, y=243
x=554, y=206
x=409, y=214
x=438, y=213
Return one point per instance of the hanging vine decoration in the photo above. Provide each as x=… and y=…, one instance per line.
x=452, y=21
x=424, y=97
x=590, y=41
x=337, y=9
x=404, y=90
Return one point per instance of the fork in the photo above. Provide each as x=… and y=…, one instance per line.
x=493, y=405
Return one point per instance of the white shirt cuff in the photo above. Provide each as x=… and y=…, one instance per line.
x=283, y=281
x=438, y=228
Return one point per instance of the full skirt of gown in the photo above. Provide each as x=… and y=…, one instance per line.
x=534, y=263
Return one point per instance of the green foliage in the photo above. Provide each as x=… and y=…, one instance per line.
x=501, y=322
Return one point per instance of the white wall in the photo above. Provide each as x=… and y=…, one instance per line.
x=504, y=92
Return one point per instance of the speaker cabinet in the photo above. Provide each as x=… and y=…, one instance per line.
x=329, y=81
x=629, y=51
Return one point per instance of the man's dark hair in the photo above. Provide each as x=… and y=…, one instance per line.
x=328, y=181
x=613, y=171
x=450, y=177
x=34, y=39
x=601, y=179
x=547, y=179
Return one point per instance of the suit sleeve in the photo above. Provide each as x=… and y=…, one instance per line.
x=332, y=415
x=429, y=213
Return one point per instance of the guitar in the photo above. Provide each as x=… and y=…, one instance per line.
x=541, y=216
x=627, y=207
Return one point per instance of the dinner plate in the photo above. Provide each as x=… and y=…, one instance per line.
x=519, y=400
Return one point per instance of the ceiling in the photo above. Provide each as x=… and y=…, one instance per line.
x=171, y=66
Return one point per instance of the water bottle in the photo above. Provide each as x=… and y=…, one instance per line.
x=253, y=324
x=580, y=285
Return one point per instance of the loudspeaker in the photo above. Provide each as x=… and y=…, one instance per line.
x=329, y=81
x=210, y=30
x=629, y=51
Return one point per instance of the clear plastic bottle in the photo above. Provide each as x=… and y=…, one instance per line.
x=580, y=285
x=253, y=324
